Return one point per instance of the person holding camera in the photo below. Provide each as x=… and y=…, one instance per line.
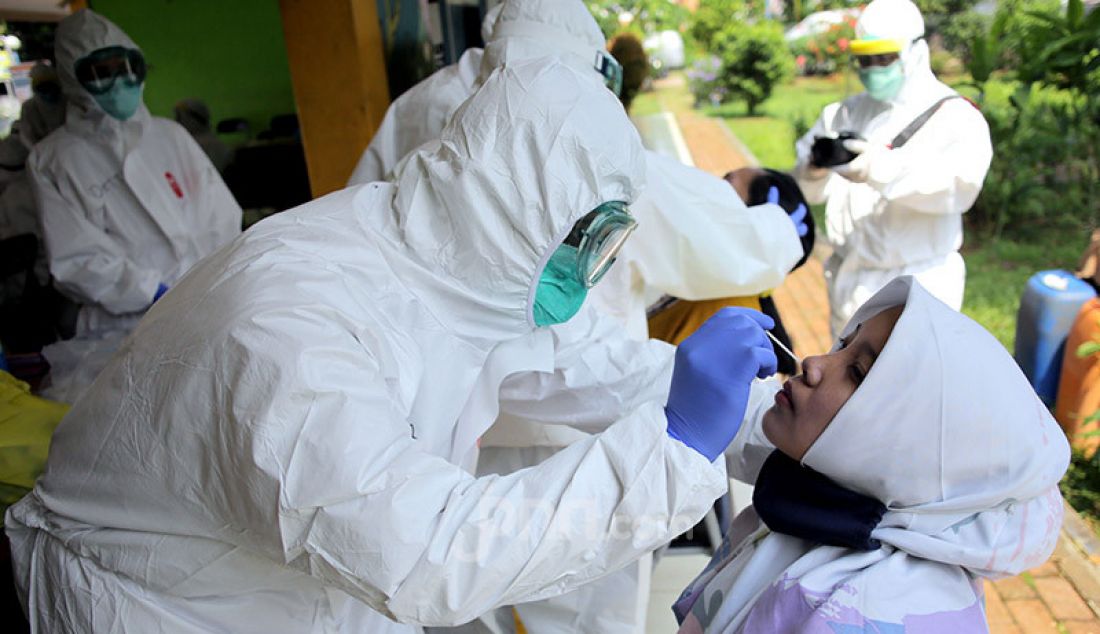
x=897, y=165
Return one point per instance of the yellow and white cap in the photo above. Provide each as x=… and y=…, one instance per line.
x=887, y=26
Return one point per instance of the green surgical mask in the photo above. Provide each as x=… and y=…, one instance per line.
x=580, y=261
x=560, y=292
x=883, y=82
x=121, y=101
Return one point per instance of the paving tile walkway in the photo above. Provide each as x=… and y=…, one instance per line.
x=1042, y=600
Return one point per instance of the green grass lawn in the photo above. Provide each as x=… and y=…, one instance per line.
x=997, y=270
x=771, y=134
x=645, y=103
x=802, y=98
x=770, y=140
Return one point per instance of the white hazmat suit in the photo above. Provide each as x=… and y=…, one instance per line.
x=906, y=218
x=38, y=117
x=125, y=205
x=419, y=114
x=276, y=448
x=695, y=239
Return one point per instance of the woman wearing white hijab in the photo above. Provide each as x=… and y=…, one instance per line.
x=943, y=429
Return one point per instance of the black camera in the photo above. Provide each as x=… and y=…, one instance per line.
x=829, y=151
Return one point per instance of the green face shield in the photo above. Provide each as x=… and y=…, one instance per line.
x=580, y=262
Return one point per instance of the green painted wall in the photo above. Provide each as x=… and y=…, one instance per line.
x=229, y=53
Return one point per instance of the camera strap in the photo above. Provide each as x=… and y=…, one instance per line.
x=916, y=124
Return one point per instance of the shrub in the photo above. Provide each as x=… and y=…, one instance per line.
x=1019, y=26
x=825, y=53
x=1045, y=127
x=755, y=58
x=646, y=16
x=1044, y=169
x=713, y=16
x=705, y=83
x=944, y=63
x=959, y=31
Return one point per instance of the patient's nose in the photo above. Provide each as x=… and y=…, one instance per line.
x=813, y=369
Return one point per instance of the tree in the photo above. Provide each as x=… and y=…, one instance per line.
x=755, y=58
x=940, y=14
x=713, y=16
x=646, y=16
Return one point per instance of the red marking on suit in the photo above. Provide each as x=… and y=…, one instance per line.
x=176, y=189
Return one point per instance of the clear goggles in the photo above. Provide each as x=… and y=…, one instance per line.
x=98, y=71
x=598, y=238
x=611, y=70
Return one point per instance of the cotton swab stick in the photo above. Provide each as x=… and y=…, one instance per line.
x=779, y=344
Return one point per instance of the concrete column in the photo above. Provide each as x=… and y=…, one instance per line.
x=339, y=76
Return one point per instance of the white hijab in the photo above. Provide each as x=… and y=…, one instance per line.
x=948, y=434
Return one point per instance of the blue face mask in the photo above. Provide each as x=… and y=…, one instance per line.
x=560, y=292
x=883, y=82
x=121, y=101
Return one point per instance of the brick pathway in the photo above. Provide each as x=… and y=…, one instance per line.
x=1039, y=601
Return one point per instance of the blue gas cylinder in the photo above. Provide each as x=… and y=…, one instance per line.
x=1047, y=311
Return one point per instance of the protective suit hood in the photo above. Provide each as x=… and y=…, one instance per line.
x=489, y=22
x=479, y=210
x=78, y=35
x=898, y=20
x=901, y=20
x=528, y=29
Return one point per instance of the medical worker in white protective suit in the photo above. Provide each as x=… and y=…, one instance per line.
x=896, y=208
x=44, y=112
x=128, y=201
x=40, y=115
x=277, y=446
x=419, y=114
x=695, y=239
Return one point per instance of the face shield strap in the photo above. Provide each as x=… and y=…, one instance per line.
x=611, y=70
x=559, y=41
x=98, y=78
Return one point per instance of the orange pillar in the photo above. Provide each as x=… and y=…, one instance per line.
x=339, y=77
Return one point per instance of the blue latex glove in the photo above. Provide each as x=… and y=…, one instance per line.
x=162, y=288
x=711, y=378
x=798, y=216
